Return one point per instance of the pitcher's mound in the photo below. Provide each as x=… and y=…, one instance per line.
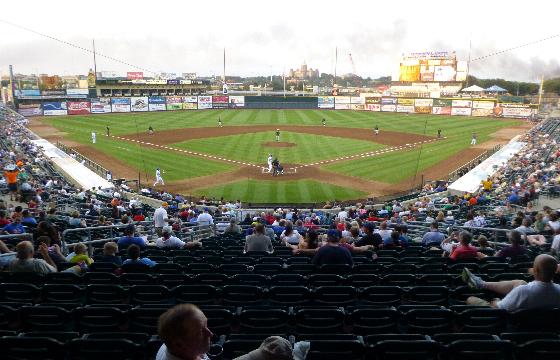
x=277, y=144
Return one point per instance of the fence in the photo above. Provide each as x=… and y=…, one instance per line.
x=92, y=165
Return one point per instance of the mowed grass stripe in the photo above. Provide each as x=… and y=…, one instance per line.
x=280, y=192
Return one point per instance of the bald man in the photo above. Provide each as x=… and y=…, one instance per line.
x=539, y=293
x=185, y=334
x=25, y=262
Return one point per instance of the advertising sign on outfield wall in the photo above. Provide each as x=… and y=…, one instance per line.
x=156, y=103
x=373, y=107
x=78, y=107
x=514, y=110
x=423, y=106
x=339, y=106
x=30, y=109
x=388, y=101
x=205, y=102
x=461, y=103
x=406, y=102
x=342, y=100
x=461, y=111
x=174, y=103
x=482, y=112
x=55, y=108
x=139, y=103
x=134, y=75
x=357, y=100
x=190, y=102
x=220, y=102
x=120, y=104
x=405, y=109
x=325, y=102
x=479, y=104
x=236, y=102
x=358, y=107
x=77, y=91
x=388, y=107
x=100, y=105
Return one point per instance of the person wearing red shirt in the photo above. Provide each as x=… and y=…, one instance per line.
x=464, y=250
x=3, y=219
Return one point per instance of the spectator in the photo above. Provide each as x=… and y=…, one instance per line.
x=515, y=248
x=110, y=250
x=433, y=237
x=393, y=241
x=529, y=232
x=484, y=245
x=370, y=238
x=134, y=257
x=384, y=232
x=44, y=228
x=272, y=348
x=464, y=250
x=27, y=219
x=354, y=235
x=232, y=228
x=75, y=221
x=539, y=293
x=129, y=239
x=404, y=240
x=3, y=218
x=167, y=240
x=14, y=227
x=80, y=256
x=26, y=263
x=205, y=218
x=185, y=334
x=160, y=217
x=289, y=235
x=555, y=247
x=332, y=252
x=258, y=241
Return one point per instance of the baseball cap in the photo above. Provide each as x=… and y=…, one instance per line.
x=168, y=229
x=164, y=204
x=272, y=348
x=369, y=226
x=332, y=233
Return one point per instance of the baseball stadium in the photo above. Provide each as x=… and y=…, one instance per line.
x=343, y=160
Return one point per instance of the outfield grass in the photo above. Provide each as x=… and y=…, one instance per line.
x=277, y=192
x=308, y=147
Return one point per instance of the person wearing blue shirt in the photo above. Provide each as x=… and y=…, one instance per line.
x=513, y=198
x=27, y=219
x=129, y=239
x=433, y=237
x=134, y=257
x=15, y=227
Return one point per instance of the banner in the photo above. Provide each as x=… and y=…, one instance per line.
x=515, y=110
x=55, y=108
x=101, y=105
x=174, y=103
x=173, y=82
x=357, y=100
x=325, y=102
x=373, y=100
x=205, y=102
x=77, y=91
x=156, y=103
x=444, y=73
x=120, y=104
x=32, y=92
x=338, y=106
x=388, y=100
x=342, y=100
x=405, y=109
x=482, y=112
x=358, y=107
x=462, y=111
x=442, y=102
x=404, y=101
x=139, y=103
x=373, y=107
x=236, y=102
x=190, y=102
x=134, y=75
x=461, y=103
x=110, y=74
x=30, y=109
x=388, y=107
x=441, y=110
x=423, y=106
x=477, y=104
x=220, y=102
x=79, y=107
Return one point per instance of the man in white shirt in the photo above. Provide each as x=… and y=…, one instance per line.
x=342, y=215
x=159, y=179
x=540, y=293
x=160, y=217
x=205, y=218
x=167, y=240
x=93, y=137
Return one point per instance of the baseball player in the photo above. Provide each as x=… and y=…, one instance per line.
x=150, y=130
x=93, y=137
x=473, y=139
x=376, y=130
x=108, y=131
x=269, y=160
x=159, y=179
x=220, y=124
x=324, y=122
x=277, y=135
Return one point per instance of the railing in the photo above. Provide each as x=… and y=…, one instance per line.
x=455, y=174
x=92, y=165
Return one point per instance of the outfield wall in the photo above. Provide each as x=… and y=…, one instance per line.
x=456, y=107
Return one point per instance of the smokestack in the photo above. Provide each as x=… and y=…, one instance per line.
x=13, y=87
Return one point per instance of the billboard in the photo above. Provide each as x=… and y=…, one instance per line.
x=405, y=108
x=139, y=103
x=341, y=106
x=357, y=100
x=409, y=71
x=30, y=109
x=404, y=101
x=478, y=104
x=388, y=100
x=461, y=103
x=342, y=100
x=190, y=76
x=423, y=106
x=444, y=73
x=358, y=107
x=388, y=107
x=205, y=102
x=236, y=102
x=120, y=104
x=31, y=92
x=173, y=82
x=220, y=101
x=110, y=74
x=101, y=105
x=190, y=102
x=515, y=110
x=441, y=106
x=482, y=112
x=373, y=107
x=174, y=103
x=134, y=75
x=78, y=107
x=461, y=111
x=77, y=91
x=55, y=108
x=156, y=103
x=325, y=102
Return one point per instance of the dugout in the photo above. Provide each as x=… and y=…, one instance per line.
x=281, y=102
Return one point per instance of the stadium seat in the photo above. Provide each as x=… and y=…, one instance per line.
x=541, y=349
x=381, y=295
x=536, y=320
x=403, y=350
x=488, y=320
x=522, y=337
x=19, y=292
x=479, y=349
x=110, y=349
x=242, y=295
x=150, y=294
x=201, y=294
x=233, y=348
x=105, y=294
x=63, y=336
x=45, y=318
x=96, y=319
x=264, y=320
x=334, y=349
x=362, y=280
x=319, y=320
x=287, y=279
x=62, y=293
x=335, y=295
x=31, y=348
x=427, y=295
x=428, y=321
x=366, y=321
x=289, y=295
x=316, y=280
x=143, y=319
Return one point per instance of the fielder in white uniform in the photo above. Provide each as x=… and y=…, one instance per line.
x=269, y=160
x=159, y=179
x=93, y=137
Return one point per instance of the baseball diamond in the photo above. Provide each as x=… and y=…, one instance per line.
x=342, y=161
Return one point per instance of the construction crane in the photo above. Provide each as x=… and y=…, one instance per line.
x=352, y=62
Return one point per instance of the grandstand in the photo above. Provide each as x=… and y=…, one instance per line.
x=404, y=299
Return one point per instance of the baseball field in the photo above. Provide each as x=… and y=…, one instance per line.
x=343, y=160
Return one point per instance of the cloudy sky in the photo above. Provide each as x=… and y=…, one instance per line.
x=262, y=37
